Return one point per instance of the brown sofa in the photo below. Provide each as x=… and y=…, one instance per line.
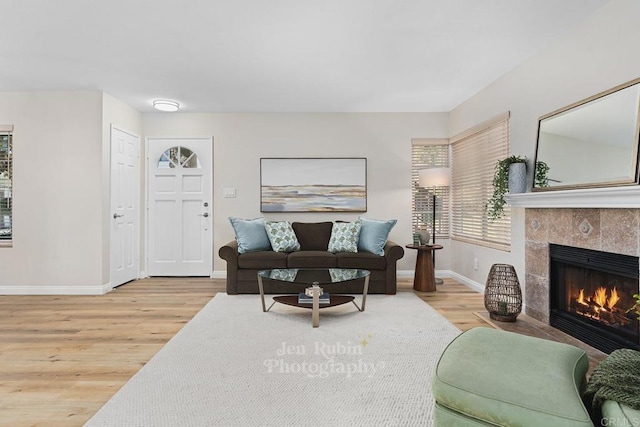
x=314, y=238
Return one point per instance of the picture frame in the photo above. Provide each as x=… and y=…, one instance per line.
x=309, y=184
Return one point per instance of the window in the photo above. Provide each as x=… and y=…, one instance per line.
x=6, y=187
x=429, y=153
x=178, y=157
x=475, y=153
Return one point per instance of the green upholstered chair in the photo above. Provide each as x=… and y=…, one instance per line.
x=616, y=414
x=490, y=377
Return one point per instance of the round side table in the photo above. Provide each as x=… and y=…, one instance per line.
x=424, y=279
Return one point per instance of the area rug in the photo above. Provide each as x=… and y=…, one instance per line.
x=234, y=365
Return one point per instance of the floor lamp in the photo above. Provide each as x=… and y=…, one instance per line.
x=431, y=179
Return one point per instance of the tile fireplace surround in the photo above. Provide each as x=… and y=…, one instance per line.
x=603, y=229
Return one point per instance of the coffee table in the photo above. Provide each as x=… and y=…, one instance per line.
x=315, y=278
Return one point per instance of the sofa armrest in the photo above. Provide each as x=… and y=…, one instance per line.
x=229, y=253
x=392, y=253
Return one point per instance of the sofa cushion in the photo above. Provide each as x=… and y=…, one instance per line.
x=344, y=237
x=617, y=414
x=313, y=236
x=311, y=259
x=250, y=234
x=262, y=260
x=363, y=260
x=282, y=236
x=374, y=234
x=504, y=378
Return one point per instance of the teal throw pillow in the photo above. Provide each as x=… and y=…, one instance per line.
x=374, y=234
x=282, y=236
x=344, y=237
x=250, y=234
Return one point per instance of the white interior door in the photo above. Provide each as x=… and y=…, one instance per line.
x=125, y=214
x=179, y=176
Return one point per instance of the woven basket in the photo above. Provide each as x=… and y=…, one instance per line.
x=502, y=294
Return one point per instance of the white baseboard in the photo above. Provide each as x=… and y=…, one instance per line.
x=405, y=274
x=219, y=274
x=409, y=274
x=56, y=290
x=467, y=282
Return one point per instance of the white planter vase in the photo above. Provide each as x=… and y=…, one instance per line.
x=425, y=236
x=517, y=178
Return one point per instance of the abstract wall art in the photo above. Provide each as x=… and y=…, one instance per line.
x=313, y=184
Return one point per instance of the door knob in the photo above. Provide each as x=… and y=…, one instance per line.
x=206, y=214
x=115, y=216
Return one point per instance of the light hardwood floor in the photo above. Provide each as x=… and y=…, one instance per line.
x=63, y=357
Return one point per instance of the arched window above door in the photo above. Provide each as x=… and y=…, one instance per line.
x=178, y=157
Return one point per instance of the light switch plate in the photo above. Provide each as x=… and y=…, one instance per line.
x=229, y=193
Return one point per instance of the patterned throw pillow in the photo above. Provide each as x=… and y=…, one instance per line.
x=344, y=237
x=281, y=236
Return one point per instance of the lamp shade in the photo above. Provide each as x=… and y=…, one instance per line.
x=434, y=177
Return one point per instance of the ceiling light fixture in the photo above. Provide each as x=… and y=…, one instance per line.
x=165, y=105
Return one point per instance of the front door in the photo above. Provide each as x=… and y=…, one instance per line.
x=124, y=215
x=179, y=176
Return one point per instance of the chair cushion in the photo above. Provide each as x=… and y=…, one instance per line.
x=313, y=236
x=510, y=379
x=616, y=414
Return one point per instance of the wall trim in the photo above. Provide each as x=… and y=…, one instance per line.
x=468, y=282
x=219, y=274
x=611, y=197
x=55, y=290
x=405, y=274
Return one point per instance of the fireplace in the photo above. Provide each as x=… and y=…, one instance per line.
x=590, y=293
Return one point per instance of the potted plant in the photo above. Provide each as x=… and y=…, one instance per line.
x=636, y=307
x=502, y=184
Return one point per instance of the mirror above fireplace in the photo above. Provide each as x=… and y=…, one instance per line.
x=594, y=142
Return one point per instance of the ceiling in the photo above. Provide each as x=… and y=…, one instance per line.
x=277, y=55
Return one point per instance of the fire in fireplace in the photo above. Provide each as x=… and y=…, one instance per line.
x=591, y=293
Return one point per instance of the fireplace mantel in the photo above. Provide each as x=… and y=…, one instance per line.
x=611, y=197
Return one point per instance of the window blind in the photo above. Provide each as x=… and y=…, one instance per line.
x=429, y=153
x=6, y=187
x=475, y=154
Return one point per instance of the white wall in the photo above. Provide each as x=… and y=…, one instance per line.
x=57, y=236
x=594, y=57
x=240, y=140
